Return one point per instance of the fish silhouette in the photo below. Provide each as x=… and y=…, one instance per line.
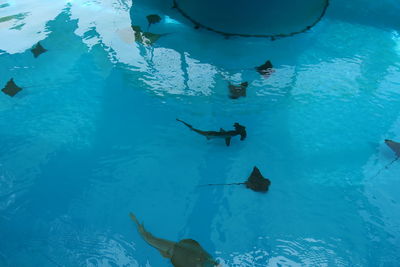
x=265, y=69
x=153, y=19
x=227, y=135
x=255, y=182
x=185, y=253
x=236, y=91
x=11, y=88
x=395, y=146
x=38, y=50
x=147, y=38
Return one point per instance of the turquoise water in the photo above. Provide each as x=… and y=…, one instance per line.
x=93, y=136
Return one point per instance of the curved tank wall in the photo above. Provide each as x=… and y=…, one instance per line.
x=254, y=17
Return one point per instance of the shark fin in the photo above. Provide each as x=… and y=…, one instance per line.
x=189, y=253
x=228, y=141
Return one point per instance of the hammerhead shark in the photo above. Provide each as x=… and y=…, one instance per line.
x=255, y=182
x=236, y=91
x=185, y=253
x=227, y=135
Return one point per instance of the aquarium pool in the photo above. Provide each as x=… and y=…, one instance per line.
x=92, y=136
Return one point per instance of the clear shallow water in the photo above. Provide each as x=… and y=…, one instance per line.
x=93, y=136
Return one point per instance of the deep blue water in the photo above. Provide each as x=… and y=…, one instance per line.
x=93, y=136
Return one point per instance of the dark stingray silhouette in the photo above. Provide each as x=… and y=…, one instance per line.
x=11, y=88
x=37, y=50
x=148, y=38
x=227, y=135
x=265, y=69
x=153, y=19
x=236, y=91
x=255, y=182
x=395, y=146
x=185, y=253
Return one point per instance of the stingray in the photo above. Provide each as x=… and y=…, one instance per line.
x=153, y=19
x=236, y=91
x=255, y=182
x=185, y=253
x=38, y=50
x=265, y=69
x=150, y=38
x=395, y=146
x=145, y=37
x=11, y=88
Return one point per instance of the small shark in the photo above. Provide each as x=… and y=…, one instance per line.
x=11, y=88
x=265, y=69
x=255, y=182
x=38, y=50
x=237, y=91
x=395, y=146
x=185, y=253
x=227, y=135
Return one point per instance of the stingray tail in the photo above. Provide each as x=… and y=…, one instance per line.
x=220, y=184
x=138, y=224
x=142, y=231
x=385, y=167
x=187, y=124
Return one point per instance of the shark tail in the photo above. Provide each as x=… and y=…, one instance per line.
x=140, y=226
x=187, y=124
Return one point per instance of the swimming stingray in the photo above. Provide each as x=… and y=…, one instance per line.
x=236, y=91
x=265, y=69
x=153, y=19
x=185, y=253
x=395, y=146
x=38, y=50
x=11, y=88
x=227, y=135
x=145, y=37
x=255, y=182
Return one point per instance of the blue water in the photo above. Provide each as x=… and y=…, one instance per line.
x=93, y=136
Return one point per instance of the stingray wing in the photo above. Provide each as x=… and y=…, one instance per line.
x=395, y=146
x=257, y=182
x=189, y=253
x=11, y=88
x=154, y=18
